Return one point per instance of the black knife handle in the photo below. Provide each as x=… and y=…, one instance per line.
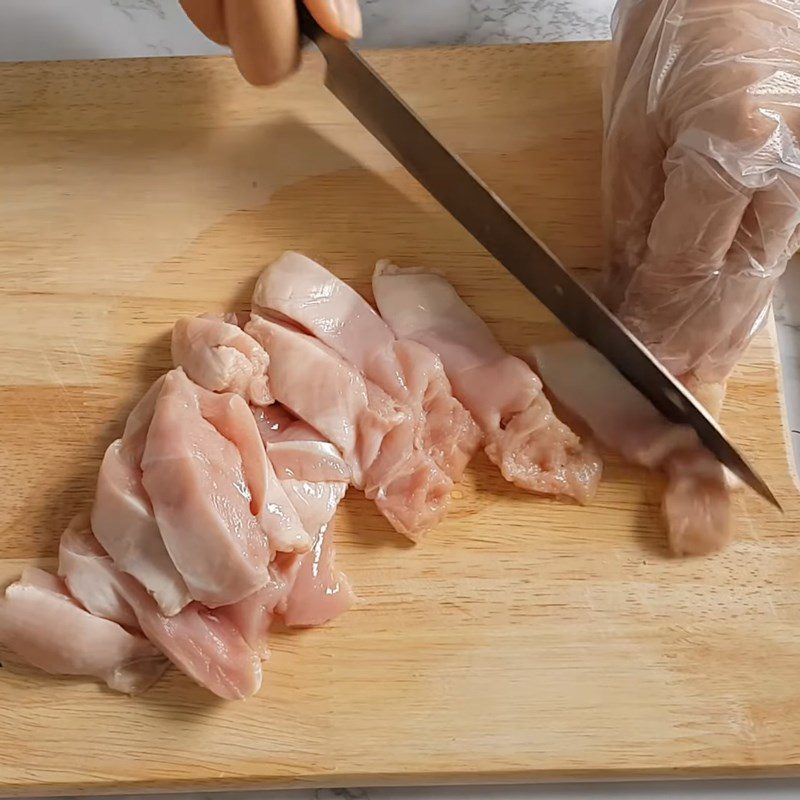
x=309, y=27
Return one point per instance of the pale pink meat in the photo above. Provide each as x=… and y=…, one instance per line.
x=218, y=355
x=206, y=645
x=253, y=616
x=449, y=434
x=523, y=436
x=328, y=393
x=617, y=413
x=697, y=503
x=122, y=515
x=221, y=512
x=276, y=424
x=78, y=553
x=320, y=592
x=697, y=499
x=315, y=477
x=44, y=626
x=373, y=433
x=300, y=290
x=304, y=292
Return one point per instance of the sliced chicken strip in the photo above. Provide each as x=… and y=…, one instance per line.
x=202, y=643
x=122, y=515
x=697, y=505
x=307, y=294
x=450, y=436
x=43, y=625
x=315, y=478
x=218, y=355
x=220, y=511
x=310, y=296
x=253, y=616
x=307, y=460
x=320, y=591
x=375, y=435
x=332, y=396
x=532, y=447
x=697, y=499
x=78, y=567
x=616, y=412
x=284, y=528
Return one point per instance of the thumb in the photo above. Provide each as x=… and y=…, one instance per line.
x=339, y=18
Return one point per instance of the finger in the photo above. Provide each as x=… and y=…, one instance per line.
x=340, y=18
x=765, y=241
x=264, y=37
x=684, y=297
x=633, y=152
x=208, y=16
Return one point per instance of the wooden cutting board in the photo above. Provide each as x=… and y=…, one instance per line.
x=526, y=639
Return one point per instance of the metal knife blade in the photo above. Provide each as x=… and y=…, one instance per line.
x=484, y=215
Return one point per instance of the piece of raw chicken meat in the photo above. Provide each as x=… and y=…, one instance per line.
x=367, y=426
x=532, y=447
x=218, y=355
x=697, y=499
x=315, y=477
x=206, y=645
x=302, y=291
x=122, y=515
x=42, y=624
x=221, y=512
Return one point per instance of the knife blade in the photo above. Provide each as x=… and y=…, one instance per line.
x=484, y=215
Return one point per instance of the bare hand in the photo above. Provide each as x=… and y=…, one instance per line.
x=264, y=34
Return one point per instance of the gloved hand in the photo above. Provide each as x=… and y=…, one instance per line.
x=701, y=173
x=263, y=34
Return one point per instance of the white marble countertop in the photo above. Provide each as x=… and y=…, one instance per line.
x=53, y=29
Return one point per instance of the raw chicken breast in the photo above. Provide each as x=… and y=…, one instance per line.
x=202, y=643
x=78, y=553
x=219, y=508
x=615, y=411
x=218, y=355
x=315, y=477
x=449, y=434
x=329, y=394
x=45, y=627
x=372, y=432
x=320, y=592
x=122, y=516
x=304, y=292
x=532, y=447
x=253, y=616
x=300, y=290
x=697, y=499
x=697, y=503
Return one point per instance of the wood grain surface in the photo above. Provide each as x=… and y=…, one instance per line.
x=525, y=639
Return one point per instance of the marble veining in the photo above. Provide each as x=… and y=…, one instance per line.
x=497, y=21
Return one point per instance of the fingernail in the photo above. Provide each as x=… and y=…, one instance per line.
x=349, y=17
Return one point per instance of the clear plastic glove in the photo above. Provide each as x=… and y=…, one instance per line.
x=264, y=34
x=701, y=173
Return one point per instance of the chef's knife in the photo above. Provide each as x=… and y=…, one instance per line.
x=467, y=198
